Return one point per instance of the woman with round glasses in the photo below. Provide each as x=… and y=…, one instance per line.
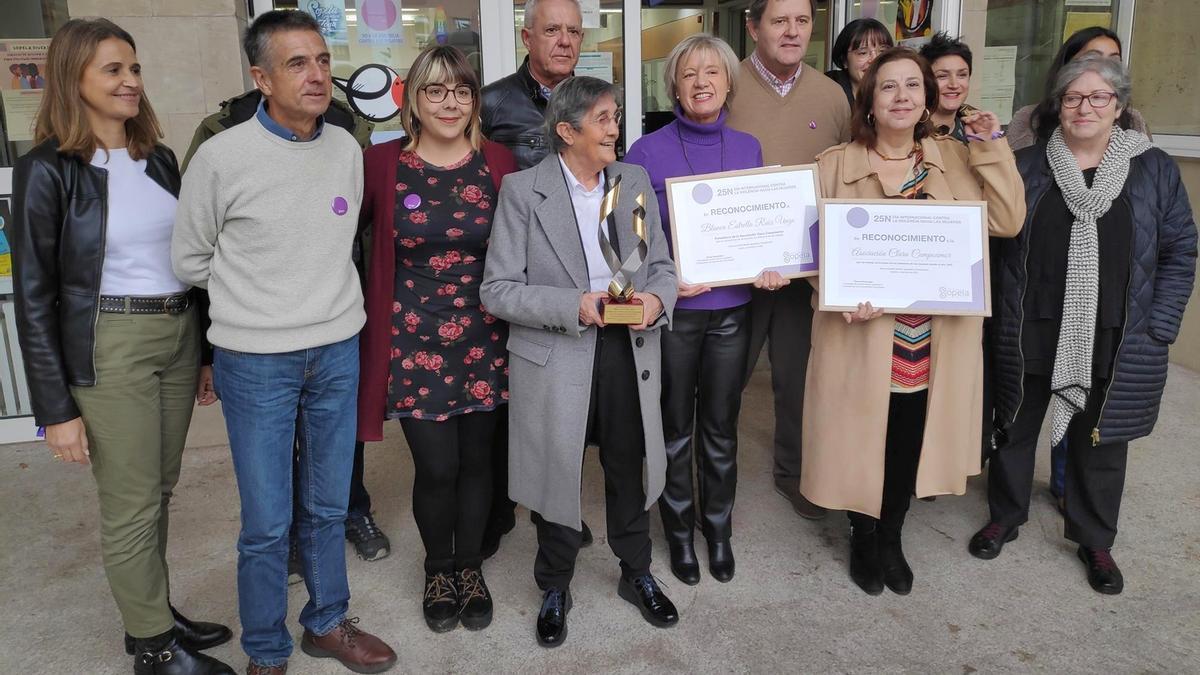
x=432, y=356
x=855, y=50
x=1091, y=294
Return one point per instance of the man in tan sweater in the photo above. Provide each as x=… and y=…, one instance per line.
x=795, y=112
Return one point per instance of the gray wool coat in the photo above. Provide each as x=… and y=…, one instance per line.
x=533, y=279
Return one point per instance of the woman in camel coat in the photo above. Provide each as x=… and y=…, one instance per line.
x=857, y=411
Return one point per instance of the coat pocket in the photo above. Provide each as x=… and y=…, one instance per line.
x=529, y=350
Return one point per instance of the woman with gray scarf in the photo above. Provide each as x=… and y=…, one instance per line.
x=1090, y=296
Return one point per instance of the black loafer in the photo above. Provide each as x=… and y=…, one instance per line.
x=552, y=618
x=897, y=575
x=643, y=592
x=1102, y=572
x=193, y=635
x=684, y=565
x=176, y=659
x=587, y=536
x=720, y=560
x=987, y=543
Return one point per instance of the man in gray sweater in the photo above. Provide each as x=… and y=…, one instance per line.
x=267, y=217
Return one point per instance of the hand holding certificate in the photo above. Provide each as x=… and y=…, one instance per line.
x=905, y=256
x=726, y=228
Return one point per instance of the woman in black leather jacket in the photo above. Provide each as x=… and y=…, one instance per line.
x=110, y=338
x=1089, y=297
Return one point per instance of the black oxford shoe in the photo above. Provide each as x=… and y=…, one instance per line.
x=588, y=539
x=864, y=560
x=986, y=543
x=1102, y=571
x=684, y=565
x=897, y=575
x=195, y=635
x=552, y=618
x=176, y=659
x=720, y=560
x=643, y=592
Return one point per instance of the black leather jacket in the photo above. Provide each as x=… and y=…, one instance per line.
x=58, y=238
x=514, y=115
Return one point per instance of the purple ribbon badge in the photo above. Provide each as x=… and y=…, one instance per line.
x=340, y=206
x=812, y=124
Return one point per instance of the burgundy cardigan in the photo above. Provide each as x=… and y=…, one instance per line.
x=378, y=212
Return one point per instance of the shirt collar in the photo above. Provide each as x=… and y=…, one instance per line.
x=576, y=185
x=769, y=76
x=282, y=131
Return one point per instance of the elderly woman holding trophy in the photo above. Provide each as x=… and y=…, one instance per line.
x=579, y=268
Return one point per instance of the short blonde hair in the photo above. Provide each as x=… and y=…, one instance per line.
x=439, y=64
x=697, y=42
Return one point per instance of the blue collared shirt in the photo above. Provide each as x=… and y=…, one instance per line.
x=282, y=131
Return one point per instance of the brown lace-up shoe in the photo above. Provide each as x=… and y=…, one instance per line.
x=254, y=669
x=357, y=650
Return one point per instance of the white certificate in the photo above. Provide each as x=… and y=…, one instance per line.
x=728, y=227
x=905, y=256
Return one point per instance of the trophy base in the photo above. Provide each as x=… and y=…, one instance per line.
x=623, y=312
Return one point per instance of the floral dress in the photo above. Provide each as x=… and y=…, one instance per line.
x=448, y=353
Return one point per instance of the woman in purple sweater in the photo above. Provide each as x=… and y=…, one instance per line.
x=704, y=355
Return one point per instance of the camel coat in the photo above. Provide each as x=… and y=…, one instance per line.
x=849, y=372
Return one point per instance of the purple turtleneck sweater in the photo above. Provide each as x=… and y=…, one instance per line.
x=687, y=148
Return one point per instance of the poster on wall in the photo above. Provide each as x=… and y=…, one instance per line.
x=595, y=64
x=379, y=22
x=331, y=16
x=591, y=13
x=914, y=21
x=5, y=221
x=22, y=83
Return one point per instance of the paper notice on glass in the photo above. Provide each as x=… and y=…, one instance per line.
x=331, y=16
x=997, y=81
x=595, y=64
x=728, y=227
x=591, y=13
x=379, y=22
x=20, y=112
x=999, y=100
x=1077, y=21
x=905, y=256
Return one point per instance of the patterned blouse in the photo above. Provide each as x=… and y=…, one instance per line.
x=912, y=333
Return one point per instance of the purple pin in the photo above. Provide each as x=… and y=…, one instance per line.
x=812, y=124
x=412, y=200
x=340, y=206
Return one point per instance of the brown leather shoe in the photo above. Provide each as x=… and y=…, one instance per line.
x=790, y=490
x=253, y=668
x=357, y=650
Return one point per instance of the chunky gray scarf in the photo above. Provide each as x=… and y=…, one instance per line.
x=1071, y=381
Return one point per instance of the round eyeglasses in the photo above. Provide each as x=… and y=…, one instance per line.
x=436, y=93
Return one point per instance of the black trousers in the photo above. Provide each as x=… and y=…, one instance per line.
x=1095, y=476
x=502, y=508
x=452, y=486
x=615, y=423
x=704, y=356
x=783, y=319
x=902, y=455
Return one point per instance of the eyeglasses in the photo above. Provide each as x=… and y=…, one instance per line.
x=605, y=119
x=436, y=93
x=1096, y=99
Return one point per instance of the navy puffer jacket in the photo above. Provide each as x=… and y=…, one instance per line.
x=1161, y=273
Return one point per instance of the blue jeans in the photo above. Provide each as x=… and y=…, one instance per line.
x=269, y=399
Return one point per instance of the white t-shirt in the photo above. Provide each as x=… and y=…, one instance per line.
x=137, y=244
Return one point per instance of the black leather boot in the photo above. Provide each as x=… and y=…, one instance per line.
x=195, y=635
x=897, y=575
x=864, y=559
x=175, y=659
x=720, y=560
x=684, y=565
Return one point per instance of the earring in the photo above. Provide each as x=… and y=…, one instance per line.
x=926, y=116
x=870, y=119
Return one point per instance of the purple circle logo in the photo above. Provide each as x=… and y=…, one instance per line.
x=412, y=201
x=857, y=217
x=340, y=206
x=702, y=193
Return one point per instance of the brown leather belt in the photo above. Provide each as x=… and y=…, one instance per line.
x=130, y=304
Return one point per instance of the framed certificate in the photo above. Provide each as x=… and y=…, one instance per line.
x=905, y=256
x=728, y=227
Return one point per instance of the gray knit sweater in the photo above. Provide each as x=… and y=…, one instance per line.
x=266, y=225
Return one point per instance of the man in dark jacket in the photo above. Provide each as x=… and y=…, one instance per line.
x=370, y=543
x=514, y=114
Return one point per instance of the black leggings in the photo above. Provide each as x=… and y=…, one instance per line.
x=452, y=490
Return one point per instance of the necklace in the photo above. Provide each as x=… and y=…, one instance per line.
x=896, y=159
x=683, y=148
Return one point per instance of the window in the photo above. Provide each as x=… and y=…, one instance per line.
x=1163, y=67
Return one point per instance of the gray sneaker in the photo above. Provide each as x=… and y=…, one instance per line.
x=369, y=541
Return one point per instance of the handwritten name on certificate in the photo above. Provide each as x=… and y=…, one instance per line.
x=905, y=256
x=728, y=227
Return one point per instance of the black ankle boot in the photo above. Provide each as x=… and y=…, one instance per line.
x=174, y=659
x=441, y=604
x=684, y=565
x=897, y=575
x=864, y=559
x=720, y=560
x=195, y=635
